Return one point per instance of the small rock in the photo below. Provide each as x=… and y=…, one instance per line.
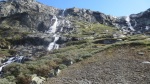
x=141, y=53
x=146, y=62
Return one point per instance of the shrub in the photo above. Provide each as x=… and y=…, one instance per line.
x=23, y=79
x=62, y=66
x=5, y=81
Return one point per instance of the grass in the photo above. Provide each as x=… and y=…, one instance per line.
x=91, y=30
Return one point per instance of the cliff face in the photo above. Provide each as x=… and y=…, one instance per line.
x=141, y=21
x=26, y=14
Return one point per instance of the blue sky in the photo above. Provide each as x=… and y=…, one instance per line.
x=109, y=7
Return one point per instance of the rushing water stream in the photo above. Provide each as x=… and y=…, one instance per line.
x=18, y=59
x=129, y=23
x=52, y=30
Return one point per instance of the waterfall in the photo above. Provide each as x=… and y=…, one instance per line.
x=135, y=23
x=52, y=30
x=147, y=28
x=18, y=59
x=63, y=13
x=128, y=23
x=63, y=21
x=53, y=44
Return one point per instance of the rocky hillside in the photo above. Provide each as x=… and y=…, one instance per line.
x=42, y=40
x=122, y=64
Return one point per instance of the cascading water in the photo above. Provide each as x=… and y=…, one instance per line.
x=63, y=21
x=53, y=30
x=147, y=28
x=18, y=59
x=53, y=44
x=63, y=13
x=135, y=23
x=128, y=23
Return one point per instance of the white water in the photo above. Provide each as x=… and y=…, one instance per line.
x=135, y=23
x=147, y=28
x=20, y=59
x=128, y=23
x=56, y=37
x=63, y=13
x=11, y=60
x=51, y=46
x=63, y=21
x=52, y=30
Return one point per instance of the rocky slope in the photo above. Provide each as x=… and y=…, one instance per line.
x=55, y=38
x=123, y=65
